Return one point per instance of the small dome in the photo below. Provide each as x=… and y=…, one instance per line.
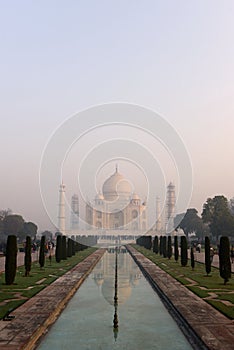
x=135, y=196
x=99, y=196
x=116, y=186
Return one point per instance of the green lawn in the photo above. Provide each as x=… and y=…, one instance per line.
x=197, y=281
x=25, y=287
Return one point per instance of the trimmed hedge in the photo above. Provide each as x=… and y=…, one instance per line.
x=11, y=259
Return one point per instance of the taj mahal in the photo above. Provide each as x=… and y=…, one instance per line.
x=116, y=208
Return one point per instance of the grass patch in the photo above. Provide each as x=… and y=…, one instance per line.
x=212, y=283
x=200, y=292
x=38, y=279
x=227, y=297
x=226, y=310
x=10, y=305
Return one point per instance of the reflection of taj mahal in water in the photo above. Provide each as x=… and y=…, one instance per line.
x=128, y=272
x=116, y=207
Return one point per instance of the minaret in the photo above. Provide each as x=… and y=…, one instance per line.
x=74, y=212
x=61, y=213
x=158, y=215
x=170, y=210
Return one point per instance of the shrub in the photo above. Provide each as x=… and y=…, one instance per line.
x=42, y=252
x=169, y=247
x=28, y=256
x=224, y=259
x=164, y=243
x=58, y=251
x=192, y=259
x=176, y=249
x=155, y=245
x=11, y=259
x=161, y=245
x=73, y=247
x=184, y=251
x=149, y=242
x=64, y=248
x=69, y=247
x=207, y=255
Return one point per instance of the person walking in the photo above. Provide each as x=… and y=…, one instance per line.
x=211, y=254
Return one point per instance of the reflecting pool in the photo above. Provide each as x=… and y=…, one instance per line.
x=87, y=321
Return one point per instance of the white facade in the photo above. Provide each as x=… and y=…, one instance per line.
x=116, y=207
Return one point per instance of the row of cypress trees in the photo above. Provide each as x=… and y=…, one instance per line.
x=163, y=246
x=64, y=248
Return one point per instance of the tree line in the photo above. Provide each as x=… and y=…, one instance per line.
x=14, y=224
x=217, y=219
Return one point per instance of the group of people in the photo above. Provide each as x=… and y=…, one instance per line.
x=213, y=252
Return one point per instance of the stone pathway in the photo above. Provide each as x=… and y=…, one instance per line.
x=200, y=257
x=20, y=259
x=215, y=331
x=34, y=317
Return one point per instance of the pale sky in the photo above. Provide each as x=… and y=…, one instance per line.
x=61, y=57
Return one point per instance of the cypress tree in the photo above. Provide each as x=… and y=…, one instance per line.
x=161, y=245
x=224, y=259
x=64, y=248
x=76, y=247
x=28, y=256
x=58, y=250
x=73, y=247
x=184, y=251
x=176, y=249
x=155, y=246
x=69, y=247
x=169, y=247
x=164, y=246
x=148, y=242
x=11, y=259
x=42, y=252
x=207, y=255
x=192, y=259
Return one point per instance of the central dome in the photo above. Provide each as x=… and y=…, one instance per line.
x=116, y=186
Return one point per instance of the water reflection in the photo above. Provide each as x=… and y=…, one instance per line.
x=87, y=321
x=128, y=275
x=116, y=320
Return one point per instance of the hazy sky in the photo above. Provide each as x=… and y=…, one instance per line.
x=60, y=57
